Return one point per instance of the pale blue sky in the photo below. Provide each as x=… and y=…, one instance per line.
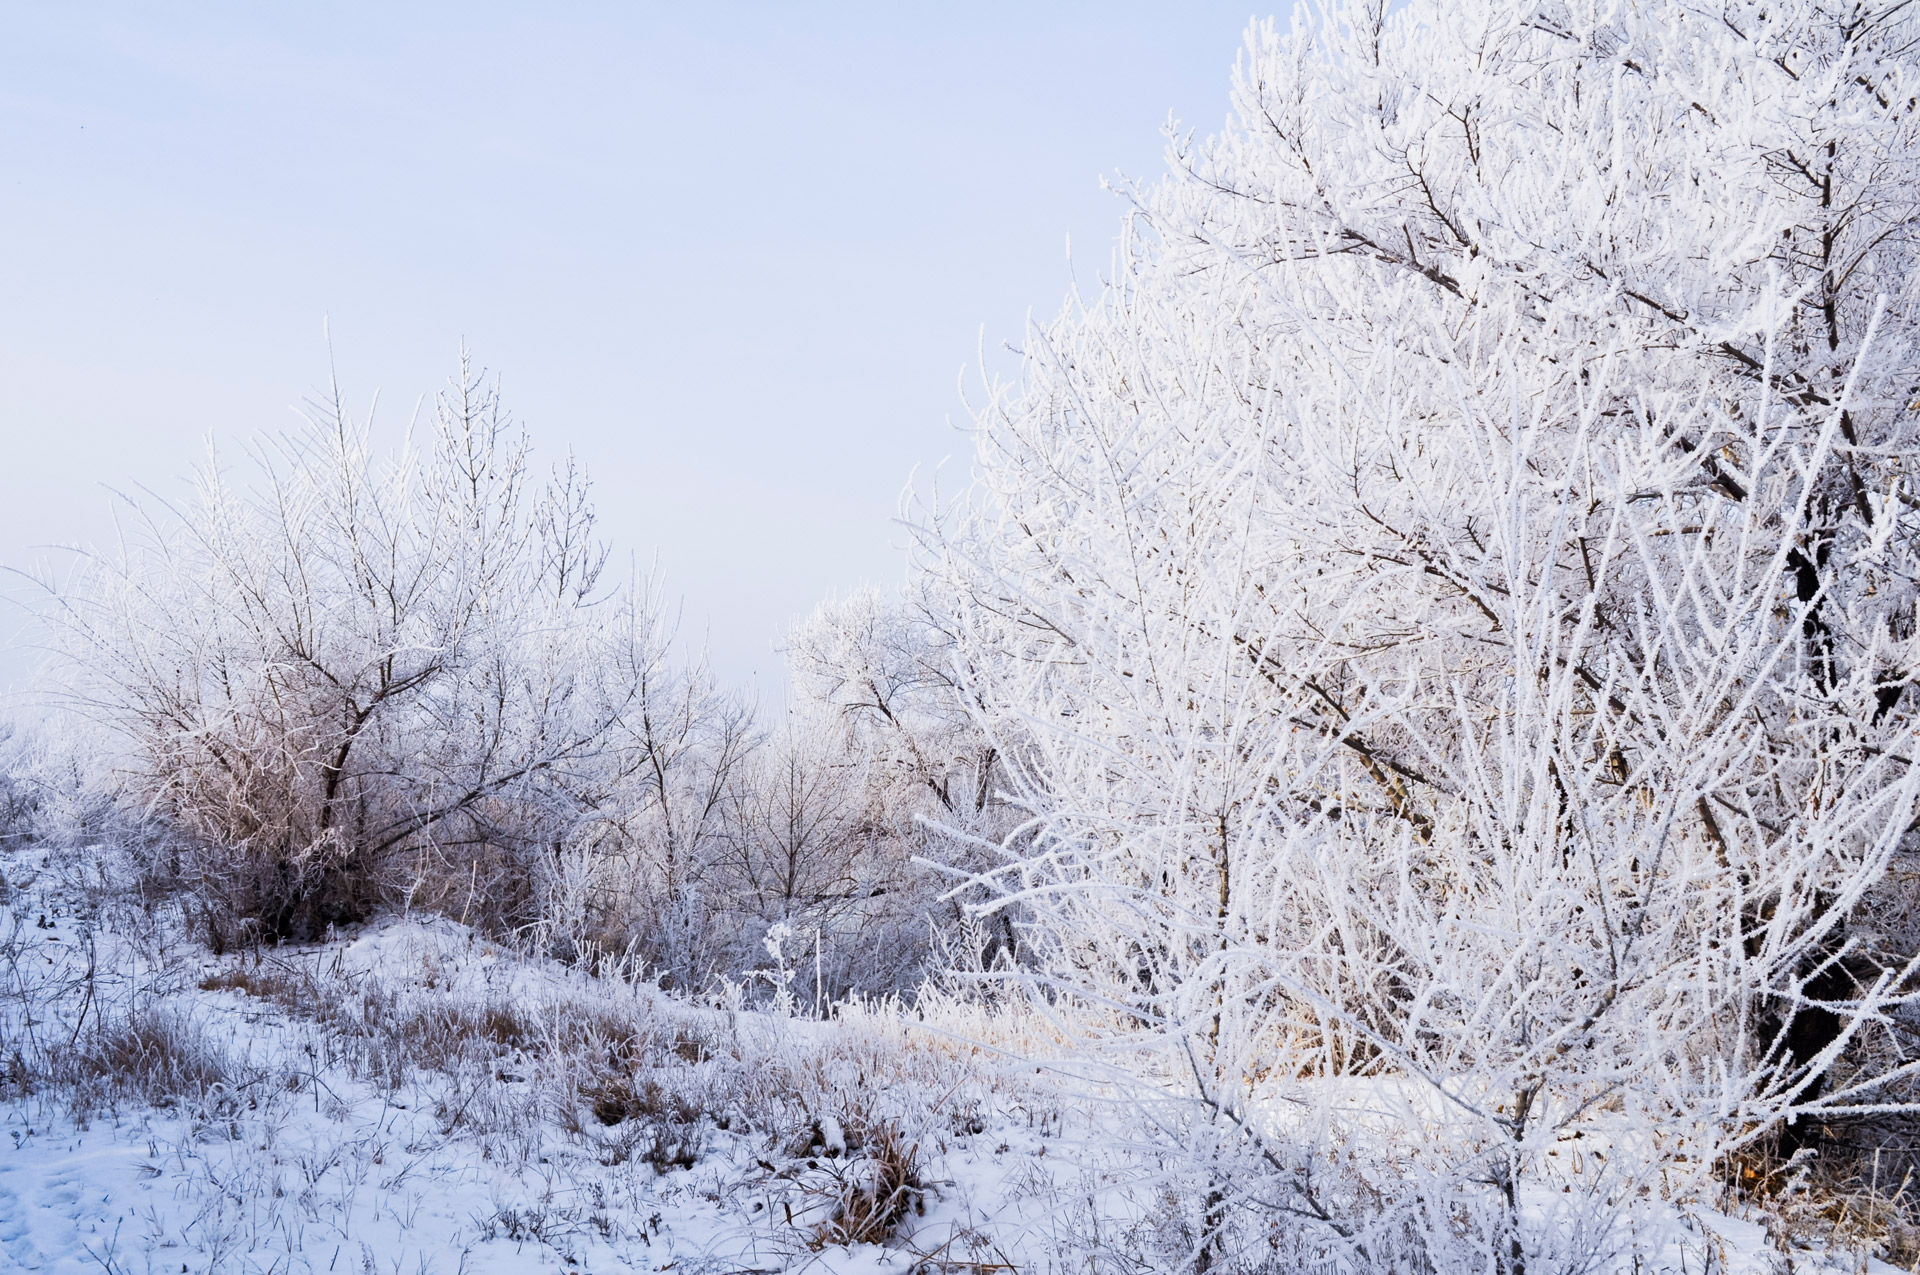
x=735, y=256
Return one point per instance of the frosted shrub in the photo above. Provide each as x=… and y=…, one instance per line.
x=361, y=677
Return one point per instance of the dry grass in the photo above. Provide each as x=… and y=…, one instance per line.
x=615, y=1099
x=1856, y=1189
x=156, y=1054
x=510, y=1054
x=160, y=1053
x=600, y=1061
x=382, y=1029
x=876, y=1190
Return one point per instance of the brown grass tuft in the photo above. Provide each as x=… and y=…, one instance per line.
x=159, y=1054
x=876, y=1190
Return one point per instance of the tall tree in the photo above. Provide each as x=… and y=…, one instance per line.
x=1447, y=608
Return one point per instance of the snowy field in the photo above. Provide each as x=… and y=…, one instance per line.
x=413, y=1098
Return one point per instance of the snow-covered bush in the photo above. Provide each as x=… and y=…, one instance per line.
x=355, y=676
x=58, y=789
x=55, y=783
x=1446, y=610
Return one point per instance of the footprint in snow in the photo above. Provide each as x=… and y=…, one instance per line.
x=14, y=1240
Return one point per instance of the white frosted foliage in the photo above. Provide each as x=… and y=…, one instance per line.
x=1447, y=607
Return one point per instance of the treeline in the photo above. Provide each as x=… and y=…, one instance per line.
x=336, y=680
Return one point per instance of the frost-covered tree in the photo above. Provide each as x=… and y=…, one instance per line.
x=714, y=830
x=879, y=668
x=357, y=675
x=654, y=837
x=875, y=706
x=1447, y=611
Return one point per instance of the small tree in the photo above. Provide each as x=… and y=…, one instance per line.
x=1446, y=610
x=882, y=671
x=660, y=829
x=873, y=684
x=360, y=675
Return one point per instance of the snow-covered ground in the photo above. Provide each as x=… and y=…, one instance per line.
x=412, y=1098
x=545, y=1120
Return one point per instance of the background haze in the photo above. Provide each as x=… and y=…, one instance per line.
x=734, y=256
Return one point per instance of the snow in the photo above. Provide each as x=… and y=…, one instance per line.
x=300, y=1162
x=300, y=1166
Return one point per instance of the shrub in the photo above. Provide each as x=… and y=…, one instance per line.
x=361, y=678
